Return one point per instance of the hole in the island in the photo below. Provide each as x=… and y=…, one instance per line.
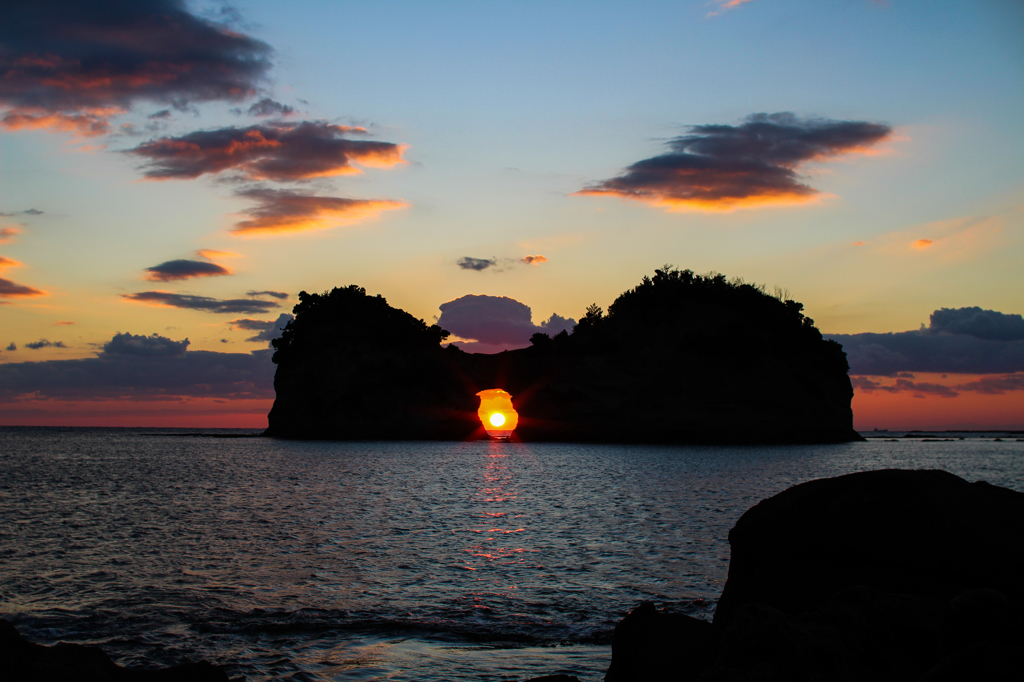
x=497, y=414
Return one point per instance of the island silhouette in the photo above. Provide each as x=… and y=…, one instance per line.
x=680, y=358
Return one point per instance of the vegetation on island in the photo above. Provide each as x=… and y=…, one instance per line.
x=681, y=357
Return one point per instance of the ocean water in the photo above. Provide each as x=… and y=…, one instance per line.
x=397, y=561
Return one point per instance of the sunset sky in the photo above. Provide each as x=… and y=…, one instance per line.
x=175, y=171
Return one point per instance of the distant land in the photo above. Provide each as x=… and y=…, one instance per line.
x=680, y=358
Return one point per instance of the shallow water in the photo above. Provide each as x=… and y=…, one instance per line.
x=371, y=561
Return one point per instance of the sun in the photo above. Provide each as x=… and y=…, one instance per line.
x=497, y=419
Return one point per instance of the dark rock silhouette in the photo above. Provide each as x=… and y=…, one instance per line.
x=883, y=575
x=25, y=661
x=681, y=358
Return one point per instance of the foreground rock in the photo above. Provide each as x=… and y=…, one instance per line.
x=884, y=575
x=24, y=661
x=681, y=358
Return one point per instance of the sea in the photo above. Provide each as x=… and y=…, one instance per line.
x=289, y=560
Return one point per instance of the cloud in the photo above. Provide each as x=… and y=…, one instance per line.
x=151, y=346
x=244, y=306
x=923, y=243
x=268, y=107
x=722, y=167
x=251, y=325
x=961, y=340
x=44, y=343
x=268, y=329
x=184, y=269
x=990, y=385
x=7, y=234
x=12, y=346
x=28, y=211
x=157, y=115
x=63, y=323
x=478, y=264
x=138, y=366
x=9, y=289
x=496, y=264
x=273, y=294
x=726, y=5
x=495, y=323
x=979, y=323
x=73, y=64
x=995, y=385
x=280, y=211
x=272, y=151
x=210, y=254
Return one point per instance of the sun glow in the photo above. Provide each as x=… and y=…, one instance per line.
x=496, y=413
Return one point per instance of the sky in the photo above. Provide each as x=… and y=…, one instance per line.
x=172, y=174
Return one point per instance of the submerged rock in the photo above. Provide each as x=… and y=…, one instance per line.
x=681, y=358
x=25, y=661
x=882, y=575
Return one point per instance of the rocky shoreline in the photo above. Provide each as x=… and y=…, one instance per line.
x=881, y=575
x=874, y=576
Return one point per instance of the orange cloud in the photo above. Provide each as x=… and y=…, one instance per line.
x=923, y=243
x=211, y=254
x=726, y=5
x=283, y=211
x=8, y=263
x=535, y=260
x=724, y=168
x=7, y=234
x=63, y=323
x=89, y=123
x=729, y=4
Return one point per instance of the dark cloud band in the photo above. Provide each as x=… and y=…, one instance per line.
x=722, y=167
x=962, y=340
x=184, y=269
x=272, y=151
x=9, y=289
x=281, y=295
x=243, y=306
x=139, y=367
x=987, y=385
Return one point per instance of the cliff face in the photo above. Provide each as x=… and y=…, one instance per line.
x=678, y=359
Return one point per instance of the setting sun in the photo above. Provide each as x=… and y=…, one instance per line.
x=497, y=419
